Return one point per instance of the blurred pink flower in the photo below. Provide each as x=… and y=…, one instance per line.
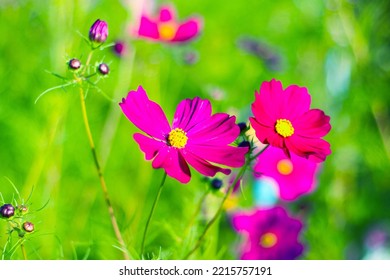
x=283, y=118
x=270, y=234
x=120, y=48
x=295, y=175
x=166, y=27
x=196, y=137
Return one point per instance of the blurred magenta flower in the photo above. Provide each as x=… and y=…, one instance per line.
x=196, y=137
x=98, y=32
x=295, y=175
x=119, y=48
x=167, y=28
x=270, y=234
x=283, y=118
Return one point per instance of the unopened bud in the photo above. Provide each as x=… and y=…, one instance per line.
x=242, y=126
x=98, y=32
x=7, y=210
x=74, y=64
x=103, y=69
x=244, y=144
x=28, y=227
x=216, y=183
x=119, y=48
x=23, y=209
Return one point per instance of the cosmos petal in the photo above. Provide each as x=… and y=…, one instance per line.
x=225, y=155
x=202, y=166
x=313, y=123
x=148, y=145
x=190, y=112
x=145, y=114
x=148, y=28
x=188, y=30
x=220, y=129
x=167, y=13
x=314, y=149
x=171, y=160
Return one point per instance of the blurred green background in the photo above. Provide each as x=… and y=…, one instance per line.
x=338, y=49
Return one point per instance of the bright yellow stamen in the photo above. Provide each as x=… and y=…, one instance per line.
x=167, y=30
x=268, y=240
x=284, y=128
x=285, y=167
x=177, y=138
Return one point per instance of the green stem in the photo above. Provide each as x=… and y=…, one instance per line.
x=198, y=208
x=23, y=251
x=151, y=213
x=220, y=209
x=98, y=166
x=101, y=177
x=218, y=213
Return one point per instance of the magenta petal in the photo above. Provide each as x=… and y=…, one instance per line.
x=167, y=13
x=225, y=155
x=187, y=31
x=267, y=135
x=296, y=102
x=242, y=222
x=148, y=28
x=189, y=112
x=314, y=149
x=171, y=160
x=145, y=114
x=220, y=129
x=262, y=113
x=313, y=123
x=148, y=145
x=271, y=94
x=300, y=181
x=203, y=166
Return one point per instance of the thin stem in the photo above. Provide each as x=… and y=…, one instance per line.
x=151, y=213
x=101, y=177
x=88, y=59
x=219, y=211
x=198, y=208
x=23, y=251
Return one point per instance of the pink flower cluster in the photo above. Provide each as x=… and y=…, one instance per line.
x=283, y=120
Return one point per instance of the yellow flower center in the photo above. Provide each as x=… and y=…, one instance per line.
x=268, y=240
x=177, y=138
x=285, y=167
x=284, y=128
x=167, y=30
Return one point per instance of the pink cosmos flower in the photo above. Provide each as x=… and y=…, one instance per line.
x=270, y=234
x=166, y=27
x=196, y=137
x=295, y=175
x=283, y=118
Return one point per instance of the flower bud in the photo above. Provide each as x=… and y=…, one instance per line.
x=28, y=227
x=103, y=69
x=243, y=127
x=74, y=64
x=244, y=144
x=7, y=210
x=22, y=209
x=119, y=48
x=190, y=58
x=216, y=183
x=98, y=32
